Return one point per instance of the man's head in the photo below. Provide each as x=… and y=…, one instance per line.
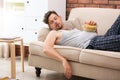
x=53, y=20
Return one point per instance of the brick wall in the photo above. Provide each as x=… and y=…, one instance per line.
x=17, y=50
x=91, y=3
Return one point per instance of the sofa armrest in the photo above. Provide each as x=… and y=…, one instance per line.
x=71, y=53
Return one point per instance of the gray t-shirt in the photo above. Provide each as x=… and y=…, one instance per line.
x=76, y=38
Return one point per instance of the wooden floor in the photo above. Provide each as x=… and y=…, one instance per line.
x=29, y=73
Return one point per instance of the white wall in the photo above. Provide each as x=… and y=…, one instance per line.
x=1, y=21
x=27, y=23
x=59, y=7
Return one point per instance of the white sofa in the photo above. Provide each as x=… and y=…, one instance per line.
x=95, y=64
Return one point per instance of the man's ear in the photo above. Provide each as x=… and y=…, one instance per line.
x=59, y=16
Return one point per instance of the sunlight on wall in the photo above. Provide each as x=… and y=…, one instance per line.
x=12, y=10
x=16, y=8
x=1, y=21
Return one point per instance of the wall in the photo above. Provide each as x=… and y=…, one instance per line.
x=91, y=3
x=1, y=5
x=1, y=17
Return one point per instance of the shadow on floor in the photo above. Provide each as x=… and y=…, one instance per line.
x=80, y=78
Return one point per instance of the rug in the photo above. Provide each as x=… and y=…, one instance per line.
x=5, y=78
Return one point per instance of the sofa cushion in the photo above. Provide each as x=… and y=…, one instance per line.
x=71, y=53
x=107, y=59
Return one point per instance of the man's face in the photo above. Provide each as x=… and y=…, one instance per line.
x=55, y=22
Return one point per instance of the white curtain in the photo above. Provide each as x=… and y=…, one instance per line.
x=4, y=50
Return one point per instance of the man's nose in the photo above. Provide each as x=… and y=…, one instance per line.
x=54, y=21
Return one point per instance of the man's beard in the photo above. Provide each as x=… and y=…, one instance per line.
x=59, y=27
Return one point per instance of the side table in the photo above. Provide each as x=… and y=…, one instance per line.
x=11, y=43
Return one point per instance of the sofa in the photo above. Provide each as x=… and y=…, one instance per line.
x=95, y=64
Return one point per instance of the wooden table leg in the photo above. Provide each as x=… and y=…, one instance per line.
x=22, y=55
x=13, y=55
x=13, y=61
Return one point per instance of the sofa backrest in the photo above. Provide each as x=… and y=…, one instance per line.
x=104, y=17
x=78, y=16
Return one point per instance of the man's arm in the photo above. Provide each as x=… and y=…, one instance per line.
x=51, y=52
x=49, y=46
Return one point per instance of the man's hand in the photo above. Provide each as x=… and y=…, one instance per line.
x=91, y=26
x=91, y=23
x=67, y=69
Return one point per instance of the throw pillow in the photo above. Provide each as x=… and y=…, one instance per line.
x=42, y=33
x=76, y=23
x=73, y=23
x=68, y=25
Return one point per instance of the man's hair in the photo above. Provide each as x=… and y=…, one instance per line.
x=46, y=16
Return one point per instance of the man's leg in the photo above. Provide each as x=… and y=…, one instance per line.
x=108, y=43
x=115, y=28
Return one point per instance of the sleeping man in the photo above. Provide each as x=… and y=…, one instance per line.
x=61, y=36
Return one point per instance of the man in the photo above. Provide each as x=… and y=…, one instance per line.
x=59, y=35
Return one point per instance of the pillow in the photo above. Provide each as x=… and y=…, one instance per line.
x=68, y=25
x=42, y=33
x=73, y=23
x=76, y=23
